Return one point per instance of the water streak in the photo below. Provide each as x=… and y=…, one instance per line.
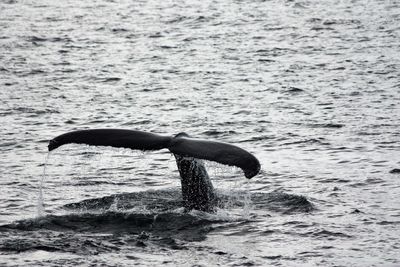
x=40, y=204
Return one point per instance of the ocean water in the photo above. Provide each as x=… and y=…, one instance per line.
x=311, y=88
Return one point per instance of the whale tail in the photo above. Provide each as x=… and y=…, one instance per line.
x=181, y=144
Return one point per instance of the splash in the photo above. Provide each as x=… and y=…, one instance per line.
x=40, y=204
x=220, y=171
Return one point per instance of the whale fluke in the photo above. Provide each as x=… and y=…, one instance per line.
x=180, y=144
x=197, y=189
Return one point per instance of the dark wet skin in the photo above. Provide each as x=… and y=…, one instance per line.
x=197, y=189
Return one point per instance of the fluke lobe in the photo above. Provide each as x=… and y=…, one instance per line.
x=197, y=189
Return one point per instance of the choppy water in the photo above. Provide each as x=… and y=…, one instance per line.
x=312, y=88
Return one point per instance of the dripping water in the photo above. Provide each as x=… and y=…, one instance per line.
x=246, y=200
x=40, y=204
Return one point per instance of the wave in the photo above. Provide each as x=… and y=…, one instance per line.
x=143, y=218
x=282, y=202
x=168, y=200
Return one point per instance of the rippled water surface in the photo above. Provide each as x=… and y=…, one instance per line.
x=312, y=88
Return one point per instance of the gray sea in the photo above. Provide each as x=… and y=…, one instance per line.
x=311, y=88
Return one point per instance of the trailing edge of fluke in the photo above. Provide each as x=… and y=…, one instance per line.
x=181, y=144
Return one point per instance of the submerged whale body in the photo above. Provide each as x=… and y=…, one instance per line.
x=197, y=189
